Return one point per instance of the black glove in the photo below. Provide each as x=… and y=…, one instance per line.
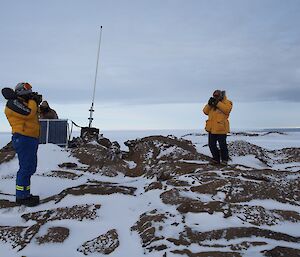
x=213, y=102
x=37, y=98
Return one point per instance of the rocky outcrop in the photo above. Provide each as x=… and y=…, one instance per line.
x=161, y=157
x=101, y=155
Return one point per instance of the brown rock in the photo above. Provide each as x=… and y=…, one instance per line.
x=13, y=235
x=146, y=227
x=93, y=187
x=282, y=251
x=104, y=244
x=68, y=165
x=54, y=235
x=7, y=153
x=153, y=186
x=207, y=254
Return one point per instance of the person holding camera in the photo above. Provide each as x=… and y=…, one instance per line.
x=22, y=113
x=218, y=109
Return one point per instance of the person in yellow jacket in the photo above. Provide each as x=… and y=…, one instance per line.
x=22, y=113
x=218, y=109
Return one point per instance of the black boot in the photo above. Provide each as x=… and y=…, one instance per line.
x=31, y=201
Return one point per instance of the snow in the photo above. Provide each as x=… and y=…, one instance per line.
x=271, y=204
x=131, y=164
x=4, y=138
x=194, y=161
x=249, y=161
x=204, y=222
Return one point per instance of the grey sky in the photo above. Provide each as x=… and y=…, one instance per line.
x=153, y=52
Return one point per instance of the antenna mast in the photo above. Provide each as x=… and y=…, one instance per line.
x=95, y=82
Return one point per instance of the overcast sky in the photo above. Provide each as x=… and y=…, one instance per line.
x=160, y=60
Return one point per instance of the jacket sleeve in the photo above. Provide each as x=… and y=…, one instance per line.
x=206, y=109
x=225, y=107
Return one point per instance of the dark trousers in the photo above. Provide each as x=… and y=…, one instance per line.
x=212, y=143
x=26, y=148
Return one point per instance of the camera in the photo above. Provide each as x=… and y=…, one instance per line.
x=36, y=97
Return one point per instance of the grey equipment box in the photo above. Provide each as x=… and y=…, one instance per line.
x=54, y=131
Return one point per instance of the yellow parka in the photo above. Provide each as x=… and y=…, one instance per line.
x=23, y=117
x=217, y=122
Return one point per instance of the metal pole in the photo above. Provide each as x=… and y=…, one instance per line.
x=95, y=82
x=47, y=134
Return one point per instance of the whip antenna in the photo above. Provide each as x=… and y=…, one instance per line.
x=95, y=82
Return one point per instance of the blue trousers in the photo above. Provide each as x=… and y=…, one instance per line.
x=26, y=149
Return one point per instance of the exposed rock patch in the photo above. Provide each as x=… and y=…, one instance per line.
x=207, y=254
x=189, y=236
x=76, y=212
x=153, y=186
x=54, y=235
x=61, y=174
x=282, y=251
x=68, y=165
x=94, y=188
x=146, y=227
x=104, y=244
x=223, y=238
x=7, y=153
x=13, y=235
x=7, y=204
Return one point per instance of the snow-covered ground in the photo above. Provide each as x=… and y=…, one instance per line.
x=120, y=211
